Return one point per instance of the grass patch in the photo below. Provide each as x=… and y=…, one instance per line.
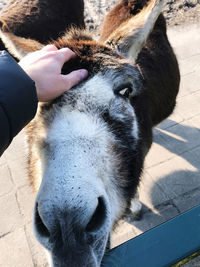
x=188, y=259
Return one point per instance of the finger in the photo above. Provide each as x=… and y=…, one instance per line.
x=49, y=48
x=74, y=77
x=65, y=54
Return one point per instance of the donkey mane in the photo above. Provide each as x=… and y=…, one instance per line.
x=91, y=54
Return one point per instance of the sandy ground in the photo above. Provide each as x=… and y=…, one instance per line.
x=182, y=12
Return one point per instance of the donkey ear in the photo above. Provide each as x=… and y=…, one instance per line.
x=17, y=46
x=130, y=36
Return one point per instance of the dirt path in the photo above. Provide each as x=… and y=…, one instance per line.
x=182, y=12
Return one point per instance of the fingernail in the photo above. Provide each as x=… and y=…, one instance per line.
x=84, y=73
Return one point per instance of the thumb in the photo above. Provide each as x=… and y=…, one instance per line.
x=74, y=77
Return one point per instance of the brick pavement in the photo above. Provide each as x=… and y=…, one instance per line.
x=170, y=183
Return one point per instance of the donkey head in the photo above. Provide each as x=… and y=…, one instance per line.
x=86, y=153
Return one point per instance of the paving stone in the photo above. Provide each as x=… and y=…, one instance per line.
x=172, y=120
x=150, y=194
x=158, y=153
x=189, y=84
x=189, y=65
x=188, y=106
x=195, y=121
x=15, y=251
x=167, y=123
x=179, y=138
x=10, y=217
x=177, y=176
x=3, y=160
x=188, y=200
x=189, y=46
x=5, y=180
x=193, y=157
x=18, y=169
x=37, y=251
x=26, y=198
x=124, y=232
x=17, y=148
x=16, y=156
x=172, y=141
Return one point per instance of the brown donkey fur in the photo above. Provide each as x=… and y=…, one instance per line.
x=42, y=20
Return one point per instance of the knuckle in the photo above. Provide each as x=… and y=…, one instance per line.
x=67, y=51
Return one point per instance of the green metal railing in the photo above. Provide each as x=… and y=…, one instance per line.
x=161, y=246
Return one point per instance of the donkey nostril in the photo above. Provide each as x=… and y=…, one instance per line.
x=40, y=226
x=98, y=218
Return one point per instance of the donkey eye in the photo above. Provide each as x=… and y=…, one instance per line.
x=124, y=91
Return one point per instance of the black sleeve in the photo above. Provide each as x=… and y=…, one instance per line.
x=18, y=99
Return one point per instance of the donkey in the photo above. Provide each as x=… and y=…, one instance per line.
x=28, y=18
x=87, y=147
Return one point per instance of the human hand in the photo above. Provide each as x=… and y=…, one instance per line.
x=44, y=68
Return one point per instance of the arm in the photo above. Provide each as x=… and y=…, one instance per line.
x=18, y=99
x=19, y=93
